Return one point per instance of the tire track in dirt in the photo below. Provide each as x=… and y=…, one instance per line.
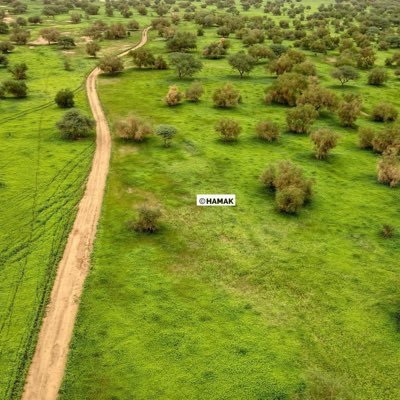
x=48, y=364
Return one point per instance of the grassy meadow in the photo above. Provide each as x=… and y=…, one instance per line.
x=243, y=302
x=41, y=181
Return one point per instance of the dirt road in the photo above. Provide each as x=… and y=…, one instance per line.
x=48, y=363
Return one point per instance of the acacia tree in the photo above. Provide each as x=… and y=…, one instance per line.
x=242, y=62
x=345, y=74
x=185, y=65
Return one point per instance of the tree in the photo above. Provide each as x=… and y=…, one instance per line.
x=242, y=62
x=292, y=189
x=6, y=47
x=324, y=140
x=166, y=132
x=142, y=58
x=66, y=42
x=194, y=92
x=174, y=96
x=384, y=112
x=74, y=125
x=17, y=89
x=133, y=128
x=65, y=98
x=182, y=42
x=186, y=65
x=259, y=52
x=19, y=71
x=349, y=110
x=160, y=63
x=111, y=65
x=286, y=89
x=226, y=96
x=115, y=31
x=148, y=221
x=75, y=18
x=50, y=34
x=267, y=130
x=389, y=169
x=319, y=97
x=300, y=118
x=306, y=68
x=3, y=60
x=92, y=48
x=377, y=77
x=386, y=139
x=20, y=36
x=214, y=51
x=228, y=129
x=345, y=74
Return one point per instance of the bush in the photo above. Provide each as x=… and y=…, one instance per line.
x=142, y=57
x=319, y=97
x=111, y=65
x=160, y=63
x=386, y=139
x=19, y=71
x=377, y=77
x=384, y=112
x=74, y=125
x=226, y=96
x=166, y=132
x=300, y=118
x=65, y=98
x=173, y=97
x=324, y=140
x=292, y=188
x=267, y=130
x=388, y=231
x=286, y=89
x=17, y=89
x=133, y=128
x=148, y=221
x=214, y=51
x=3, y=60
x=349, y=110
x=92, y=48
x=365, y=137
x=194, y=92
x=389, y=169
x=228, y=129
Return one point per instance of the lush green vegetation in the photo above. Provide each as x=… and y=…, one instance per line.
x=241, y=302
x=237, y=303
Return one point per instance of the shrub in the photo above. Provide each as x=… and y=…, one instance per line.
x=17, y=89
x=386, y=139
x=377, y=77
x=306, y=68
x=388, y=231
x=92, y=48
x=214, y=51
x=324, y=140
x=226, y=96
x=166, y=132
x=65, y=98
x=319, y=97
x=292, y=188
x=19, y=71
x=194, y=92
x=6, y=47
x=111, y=65
x=384, y=112
x=148, y=220
x=349, y=110
x=133, y=128
x=389, y=169
x=228, y=129
x=173, y=97
x=300, y=118
x=365, y=137
x=267, y=130
x=286, y=89
x=74, y=125
x=160, y=63
x=182, y=42
x=142, y=57
x=3, y=60
x=345, y=74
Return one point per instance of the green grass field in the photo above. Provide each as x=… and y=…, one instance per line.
x=244, y=302
x=41, y=181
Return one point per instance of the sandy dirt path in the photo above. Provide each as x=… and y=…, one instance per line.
x=48, y=364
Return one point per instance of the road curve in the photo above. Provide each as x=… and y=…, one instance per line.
x=48, y=364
